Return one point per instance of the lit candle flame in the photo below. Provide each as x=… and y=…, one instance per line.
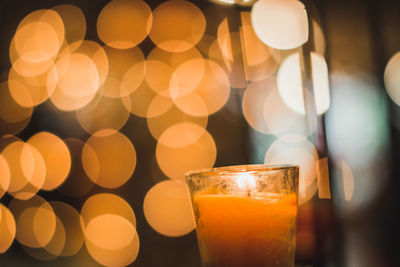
x=246, y=182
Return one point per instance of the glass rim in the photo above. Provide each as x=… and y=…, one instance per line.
x=238, y=170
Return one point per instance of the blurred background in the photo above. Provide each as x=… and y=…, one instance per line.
x=104, y=105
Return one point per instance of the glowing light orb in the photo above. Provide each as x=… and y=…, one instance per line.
x=168, y=210
x=281, y=24
x=177, y=25
x=176, y=161
x=56, y=156
x=296, y=149
x=124, y=24
x=7, y=228
x=109, y=158
x=291, y=87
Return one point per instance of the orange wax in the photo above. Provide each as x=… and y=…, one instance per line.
x=246, y=231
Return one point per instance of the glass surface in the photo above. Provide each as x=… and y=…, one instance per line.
x=245, y=215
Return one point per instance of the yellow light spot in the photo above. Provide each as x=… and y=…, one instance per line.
x=5, y=176
x=36, y=221
x=391, y=78
x=21, y=162
x=29, y=91
x=77, y=75
x=281, y=24
x=7, y=228
x=126, y=71
x=139, y=101
x=168, y=210
x=71, y=221
x=296, y=149
x=103, y=113
x=177, y=26
x=181, y=135
x=38, y=37
x=253, y=102
x=33, y=169
x=94, y=51
x=56, y=157
x=173, y=59
x=110, y=232
x=102, y=204
x=124, y=24
x=282, y=120
x=37, y=42
x=118, y=257
x=109, y=158
x=258, y=58
x=77, y=183
x=207, y=93
x=158, y=76
x=159, y=105
x=291, y=88
x=176, y=161
x=163, y=115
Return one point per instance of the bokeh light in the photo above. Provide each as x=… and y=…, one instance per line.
x=254, y=101
x=168, y=209
x=103, y=204
x=7, y=228
x=56, y=156
x=138, y=102
x=297, y=150
x=282, y=120
x=114, y=257
x=77, y=75
x=181, y=135
x=200, y=87
x=162, y=114
x=125, y=73
x=124, y=24
x=177, y=25
x=291, y=87
x=72, y=222
x=109, y=158
x=110, y=232
x=95, y=52
x=33, y=168
x=103, y=113
x=281, y=24
x=158, y=76
x=27, y=169
x=36, y=221
x=173, y=59
x=5, y=176
x=235, y=72
x=176, y=161
x=38, y=38
x=29, y=91
x=258, y=58
x=392, y=80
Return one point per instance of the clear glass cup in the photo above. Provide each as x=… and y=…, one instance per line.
x=245, y=215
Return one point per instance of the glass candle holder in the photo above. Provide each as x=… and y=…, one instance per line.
x=245, y=215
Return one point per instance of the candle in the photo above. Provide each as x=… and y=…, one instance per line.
x=246, y=218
